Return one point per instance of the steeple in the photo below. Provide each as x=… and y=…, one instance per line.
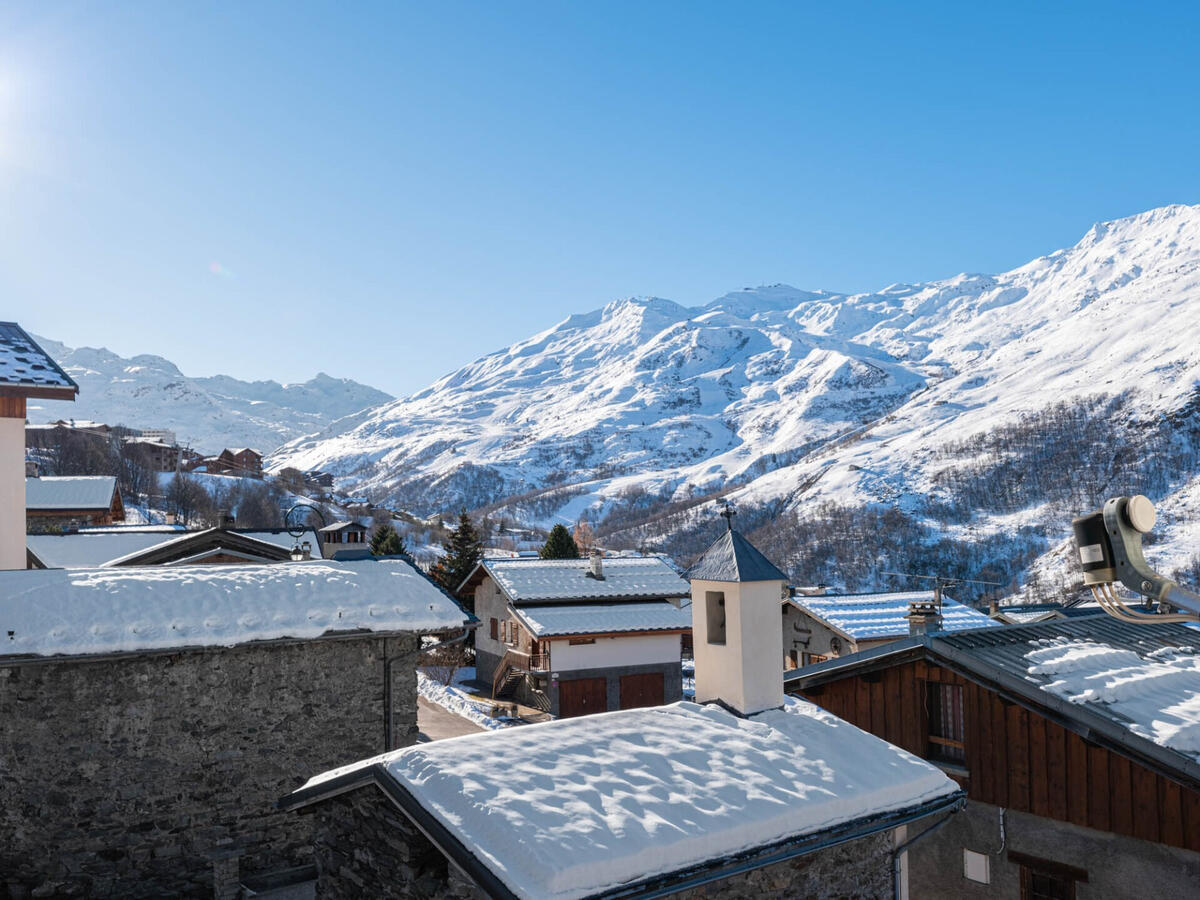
x=736, y=624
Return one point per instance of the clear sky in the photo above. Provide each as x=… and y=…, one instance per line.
x=387, y=192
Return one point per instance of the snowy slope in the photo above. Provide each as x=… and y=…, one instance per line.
x=207, y=413
x=789, y=398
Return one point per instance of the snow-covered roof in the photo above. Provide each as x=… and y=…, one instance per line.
x=70, y=492
x=343, y=526
x=604, y=618
x=1156, y=692
x=97, y=547
x=864, y=617
x=27, y=368
x=733, y=558
x=582, y=806
x=85, y=611
x=526, y=580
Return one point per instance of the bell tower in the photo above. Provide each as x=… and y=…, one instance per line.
x=736, y=620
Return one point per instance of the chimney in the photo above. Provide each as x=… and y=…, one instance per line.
x=924, y=617
x=31, y=469
x=596, y=565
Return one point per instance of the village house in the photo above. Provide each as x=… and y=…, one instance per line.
x=1076, y=741
x=25, y=372
x=152, y=716
x=240, y=461
x=345, y=535
x=817, y=627
x=167, y=546
x=747, y=795
x=577, y=636
x=69, y=501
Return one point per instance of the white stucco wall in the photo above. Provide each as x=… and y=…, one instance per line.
x=634, y=650
x=745, y=672
x=12, y=493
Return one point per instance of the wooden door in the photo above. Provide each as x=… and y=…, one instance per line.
x=581, y=696
x=641, y=690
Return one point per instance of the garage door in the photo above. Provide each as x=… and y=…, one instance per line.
x=581, y=696
x=641, y=690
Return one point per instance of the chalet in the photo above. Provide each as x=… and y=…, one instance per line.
x=157, y=455
x=748, y=795
x=346, y=535
x=241, y=461
x=817, y=627
x=54, y=503
x=25, y=371
x=1077, y=742
x=577, y=636
x=164, y=546
x=153, y=716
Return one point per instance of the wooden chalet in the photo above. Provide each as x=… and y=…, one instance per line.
x=1064, y=789
x=52, y=503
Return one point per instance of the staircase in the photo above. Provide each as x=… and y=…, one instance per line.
x=507, y=684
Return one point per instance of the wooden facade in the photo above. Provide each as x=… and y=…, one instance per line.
x=1016, y=758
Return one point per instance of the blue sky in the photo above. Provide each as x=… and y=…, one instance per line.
x=387, y=192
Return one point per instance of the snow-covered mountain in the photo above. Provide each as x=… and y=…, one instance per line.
x=786, y=398
x=206, y=413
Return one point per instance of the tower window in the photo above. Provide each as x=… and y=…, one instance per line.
x=714, y=604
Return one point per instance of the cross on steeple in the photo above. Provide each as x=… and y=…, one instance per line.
x=727, y=514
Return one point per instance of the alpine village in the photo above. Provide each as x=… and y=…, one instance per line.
x=783, y=594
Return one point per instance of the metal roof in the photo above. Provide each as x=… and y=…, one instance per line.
x=26, y=369
x=733, y=558
x=98, y=547
x=70, y=492
x=863, y=617
x=605, y=618
x=999, y=659
x=525, y=580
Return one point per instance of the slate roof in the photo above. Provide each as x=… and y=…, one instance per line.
x=863, y=617
x=525, y=580
x=1143, y=699
x=70, y=492
x=342, y=526
x=733, y=558
x=604, y=618
x=27, y=370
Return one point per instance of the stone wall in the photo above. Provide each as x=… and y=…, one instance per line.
x=365, y=847
x=134, y=775
x=1115, y=866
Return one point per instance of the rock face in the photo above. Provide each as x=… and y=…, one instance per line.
x=206, y=413
x=149, y=775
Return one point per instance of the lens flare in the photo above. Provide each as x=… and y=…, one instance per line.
x=219, y=270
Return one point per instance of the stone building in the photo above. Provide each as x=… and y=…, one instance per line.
x=151, y=717
x=747, y=795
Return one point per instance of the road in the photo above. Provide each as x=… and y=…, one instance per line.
x=436, y=723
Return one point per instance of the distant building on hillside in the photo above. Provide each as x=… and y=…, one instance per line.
x=817, y=627
x=69, y=501
x=162, y=435
x=242, y=461
x=577, y=636
x=157, y=455
x=346, y=535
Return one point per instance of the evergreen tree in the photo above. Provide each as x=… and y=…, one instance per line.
x=462, y=552
x=386, y=541
x=560, y=545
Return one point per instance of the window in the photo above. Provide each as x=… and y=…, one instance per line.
x=811, y=658
x=944, y=706
x=714, y=605
x=1044, y=879
x=495, y=629
x=975, y=867
x=574, y=642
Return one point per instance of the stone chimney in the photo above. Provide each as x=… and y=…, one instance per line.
x=596, y=565
x=924, y=617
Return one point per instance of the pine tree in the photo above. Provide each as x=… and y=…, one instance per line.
x=560, y=545
x=462, y=552
x=386, y=541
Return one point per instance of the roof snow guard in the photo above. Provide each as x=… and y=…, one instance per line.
x=26, y=370
x=733, y=558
